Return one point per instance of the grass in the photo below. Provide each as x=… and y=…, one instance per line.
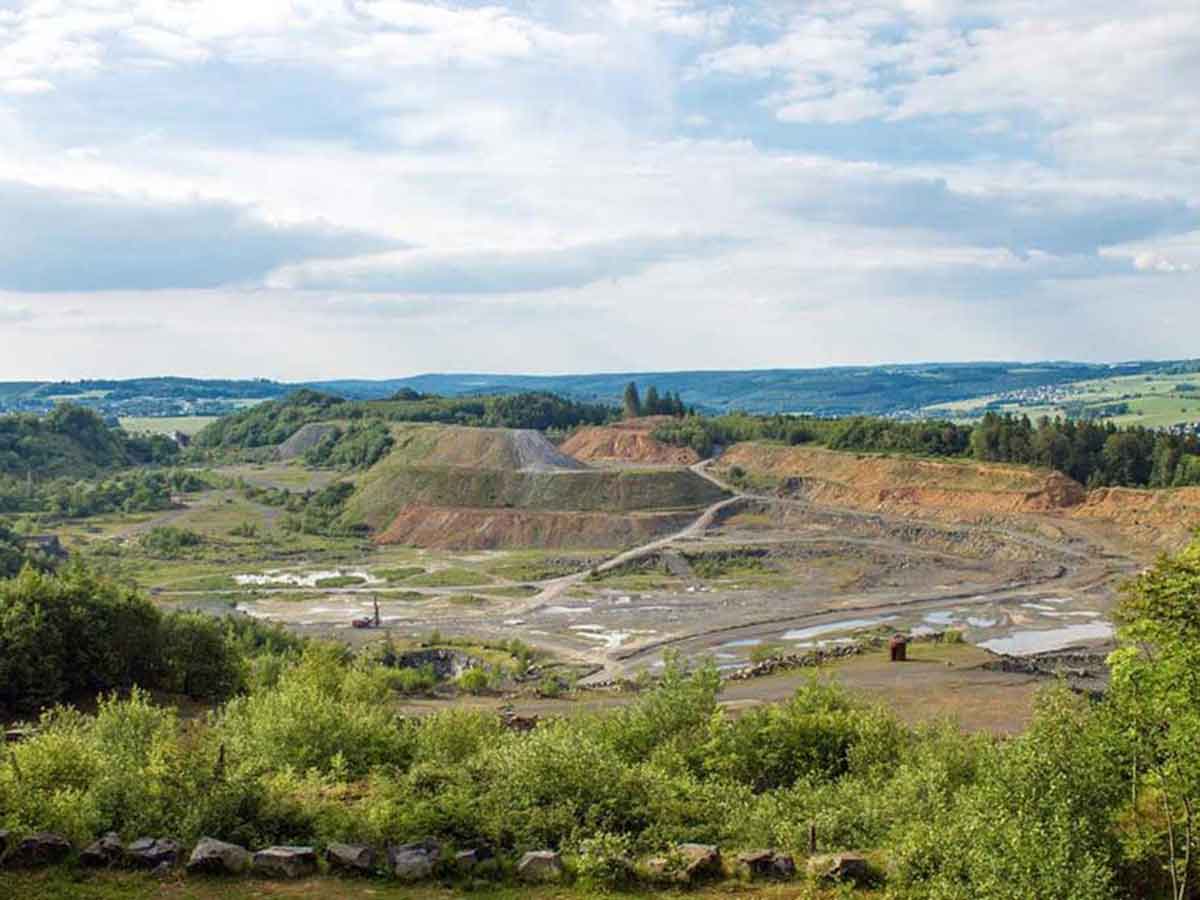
x=401, y=574
x=340, y=581
x=540, y=568
x=63, y=884
x=517, y=591
x=455, y=576
x=1154, y=401
x=467, y=600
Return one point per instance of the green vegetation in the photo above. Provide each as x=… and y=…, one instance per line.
x=73, y=441
x=74, y=635
x=275, y=421
x=740, y=561
x=399, y=574
x=358, y=447
x=455, y=576
x=341, y=581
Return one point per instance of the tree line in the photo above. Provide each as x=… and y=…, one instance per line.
x=273, y=422
x=1095, y=454
x=634, y=405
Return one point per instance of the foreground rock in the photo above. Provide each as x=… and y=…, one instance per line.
x=472, y=858
x=688, y=864
x=42, y=849
x=104, y=853
x=540, y=865
x=414, y=862
x=351, y=859
x=151, y=853
x=768, y=864
x=286, y=862
x=213, y=857
x=848, y=867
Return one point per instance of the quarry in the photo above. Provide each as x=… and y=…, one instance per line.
x=613, y=551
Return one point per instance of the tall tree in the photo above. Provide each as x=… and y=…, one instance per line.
x=652, y=406
x=632, y=402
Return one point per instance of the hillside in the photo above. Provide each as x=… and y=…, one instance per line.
x=844, y=390
x=839, y=478
x=472, y=487
x=73, y=442
x=963, y=490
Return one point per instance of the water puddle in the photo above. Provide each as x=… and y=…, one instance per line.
x=1023, y=643
x=800, y=634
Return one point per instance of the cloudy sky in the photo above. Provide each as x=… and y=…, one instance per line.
x=318, y=188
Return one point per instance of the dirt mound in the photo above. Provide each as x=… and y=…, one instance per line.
x=625, y=443
x=477, y=448
x=893, y=483
x=487, y=529
x=304, y=439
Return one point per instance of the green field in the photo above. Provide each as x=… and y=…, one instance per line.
x=1153, y=401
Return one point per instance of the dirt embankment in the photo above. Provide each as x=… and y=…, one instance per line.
x=892, y=483
x=1162, y=518
x=627, y=442
x=966, y=491
x=449, y=528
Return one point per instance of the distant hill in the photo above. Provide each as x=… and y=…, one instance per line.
x=846, y=390
x=868, y=390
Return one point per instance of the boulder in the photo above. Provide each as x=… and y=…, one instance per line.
x=848, y=867
x=104, y=853
x=540, y=865
x=150, y=853
x=213, y=857
x=761, y=864
x=286, y=862
x=354, y=859
x=414, y=862
x=469, y=859
x=42, y=849
x=688, y=864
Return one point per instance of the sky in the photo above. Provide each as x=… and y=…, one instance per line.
x=304, y=189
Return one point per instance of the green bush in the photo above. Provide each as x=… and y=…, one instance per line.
x=473, y=681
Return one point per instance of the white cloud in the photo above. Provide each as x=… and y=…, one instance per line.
x=894, y=180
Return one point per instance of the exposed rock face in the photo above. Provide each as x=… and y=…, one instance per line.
x=849, y=867
x=353, y=859
x=150, y=853
x=445, y=663
x=42, y=849
x=414, y=862
x=286, y=862
x=104, y=853
x=688, y=864
x=213, y=857
x=540, y=865
x=768, y=864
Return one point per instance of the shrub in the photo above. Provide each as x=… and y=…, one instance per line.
x=474, y=681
